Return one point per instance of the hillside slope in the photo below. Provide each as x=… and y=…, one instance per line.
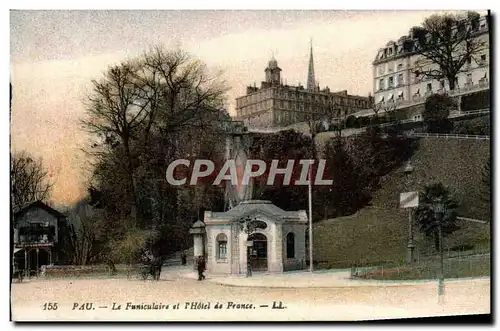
x=457, y=163
x=378, y=234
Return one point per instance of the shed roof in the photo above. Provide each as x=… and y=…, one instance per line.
x=21, y=209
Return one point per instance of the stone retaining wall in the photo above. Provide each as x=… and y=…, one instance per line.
x=84, y=270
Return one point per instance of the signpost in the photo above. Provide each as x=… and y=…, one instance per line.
x=409, y=200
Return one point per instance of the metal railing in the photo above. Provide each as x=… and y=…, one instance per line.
x=470, y=112
x=457, y=114
x=428, y=268
x=472, y=220
x=453, y=136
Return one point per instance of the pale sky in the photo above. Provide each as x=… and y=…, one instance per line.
x=56, y=54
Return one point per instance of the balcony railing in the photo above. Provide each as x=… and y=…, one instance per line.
x=35, y=239
x=418, y=98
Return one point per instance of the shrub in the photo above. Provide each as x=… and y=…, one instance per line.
x=475, y=126
x=351, y=122
x=436, y=112
x=476, y=101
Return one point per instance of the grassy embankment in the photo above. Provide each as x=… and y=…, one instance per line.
x=378, y=234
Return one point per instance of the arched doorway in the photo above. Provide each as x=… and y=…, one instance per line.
x=258, y=252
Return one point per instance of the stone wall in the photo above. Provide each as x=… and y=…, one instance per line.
x=55, y=271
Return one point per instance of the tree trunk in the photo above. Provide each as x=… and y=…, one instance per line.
x=451, y=82
x=130, y=170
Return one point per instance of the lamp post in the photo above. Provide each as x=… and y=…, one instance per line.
x=411, y=246
x=439, y=209
x=247, y=225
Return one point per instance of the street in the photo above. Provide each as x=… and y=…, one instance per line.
x=180, y=299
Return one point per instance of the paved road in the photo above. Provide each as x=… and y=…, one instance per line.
x=238, y=303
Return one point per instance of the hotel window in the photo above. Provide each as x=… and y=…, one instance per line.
x=429, y=87
x=221, y=246
x=381, y=70
x=400, y=79
x=381, y=84
x=391, y=81
x=400, y=66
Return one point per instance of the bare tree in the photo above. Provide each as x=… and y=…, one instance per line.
x=445, y=44
x=389, y=109
x=29, y=179
x=161, y=92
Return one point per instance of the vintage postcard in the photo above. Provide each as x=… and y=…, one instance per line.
x=229, y=165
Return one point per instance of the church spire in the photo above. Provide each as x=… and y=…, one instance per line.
x=311, y=82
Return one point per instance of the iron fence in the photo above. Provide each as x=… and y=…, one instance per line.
x=454, y=267
x=452, y=136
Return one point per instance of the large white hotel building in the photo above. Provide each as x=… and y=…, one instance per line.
x=395, y=85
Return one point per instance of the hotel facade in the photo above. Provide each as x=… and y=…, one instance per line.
x=275, y=104
x=395, y=83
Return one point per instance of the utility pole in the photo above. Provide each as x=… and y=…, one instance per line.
x=410, y=246
x=310, y=221
x=313, y=149
x=439, y=209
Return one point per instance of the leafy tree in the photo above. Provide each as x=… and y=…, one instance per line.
x=374, y=155
x=29, y=179
x=436, y=113
x=426, y=217
x=282, y=146
x=345, y=195
x=445, y=43
x=351, y=122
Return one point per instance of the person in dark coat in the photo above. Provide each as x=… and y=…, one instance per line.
x=201, y=267
x=183, y=258
x=156, y=265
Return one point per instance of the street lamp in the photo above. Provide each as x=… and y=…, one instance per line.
x=248, y=225
x=410, y=247
x=439, y=209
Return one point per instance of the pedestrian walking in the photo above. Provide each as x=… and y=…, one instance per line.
x=183, y=258
x=201, y=267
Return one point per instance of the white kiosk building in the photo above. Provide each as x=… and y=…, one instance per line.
x=276, y=243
